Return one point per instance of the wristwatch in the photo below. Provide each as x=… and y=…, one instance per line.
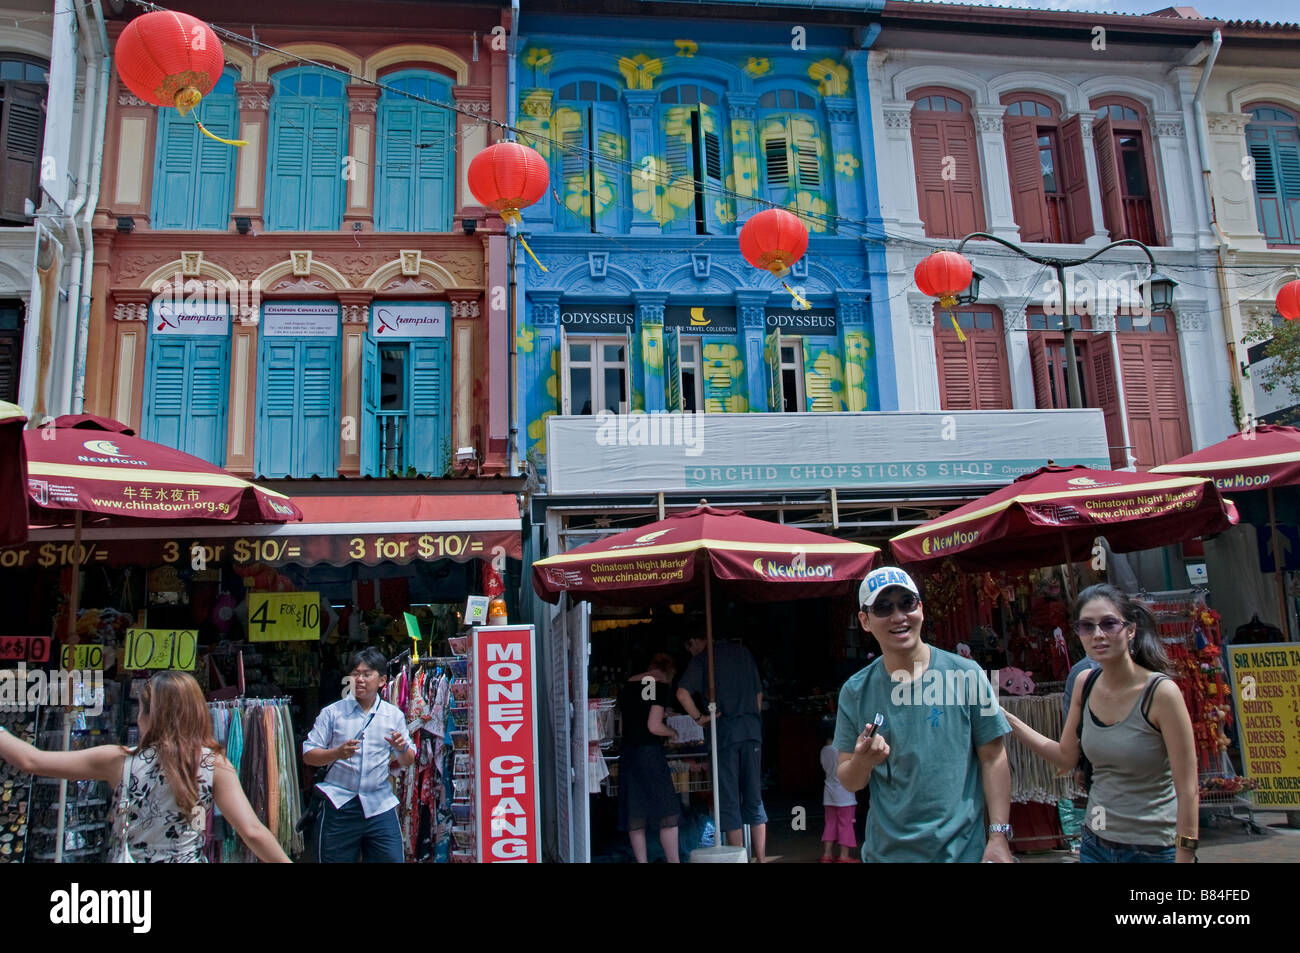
x=1001, y=829
x=1185, y=842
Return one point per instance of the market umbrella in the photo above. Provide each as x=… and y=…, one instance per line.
x=86, y=464
x=1058, y=511
x=752, y=559
x=1261, y=469
x=13, y=476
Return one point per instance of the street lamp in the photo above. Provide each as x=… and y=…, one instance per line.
x=972, y=292
x=1162, y=290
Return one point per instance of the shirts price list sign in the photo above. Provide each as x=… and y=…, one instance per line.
x=1266, y=686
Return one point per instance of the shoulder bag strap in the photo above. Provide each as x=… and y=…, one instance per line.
x=1149, y=696
x=1089, y=682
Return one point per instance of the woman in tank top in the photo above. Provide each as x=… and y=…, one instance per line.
x=172, y=777
x=1133, y=726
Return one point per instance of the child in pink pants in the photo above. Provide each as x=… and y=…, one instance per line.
x=840, y=806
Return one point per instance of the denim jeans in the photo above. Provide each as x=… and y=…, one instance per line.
x=1094, y=851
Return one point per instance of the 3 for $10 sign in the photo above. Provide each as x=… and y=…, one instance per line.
x=505, y=744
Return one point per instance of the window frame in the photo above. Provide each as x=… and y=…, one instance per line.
x=1141, y=127
x=809, y=105
x=698, y=145
x=593, y=163
x=278, y=100
x=598, y=366
x=378, y=182
x=1050, y=126
x=40, y=88
x=967, y=114
x=1289, y=230
x=796, y=366
x=697, y=366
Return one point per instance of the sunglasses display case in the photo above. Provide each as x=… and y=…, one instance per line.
x=15, y=791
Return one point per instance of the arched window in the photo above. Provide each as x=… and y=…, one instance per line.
x=689, y=195
x=414, y=190
x=794, y=150
x=591, y=175
x=309, y=134
x=1126, y=170
x=22, y=131
x=1273, y=136
x=947, y=164
x=1049, y=181
x=194, y=177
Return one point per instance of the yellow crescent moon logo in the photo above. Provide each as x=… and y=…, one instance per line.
x=106, y=447
x=698, y=319
x=651, y=537
x=758, y=566
x=925, y=545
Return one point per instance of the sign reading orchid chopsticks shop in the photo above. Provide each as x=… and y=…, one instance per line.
x=302, y=319
x=404, y=320
x=505, y=745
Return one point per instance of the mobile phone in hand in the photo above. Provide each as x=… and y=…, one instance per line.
x=874, y=725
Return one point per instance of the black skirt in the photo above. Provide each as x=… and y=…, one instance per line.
x=646, y=797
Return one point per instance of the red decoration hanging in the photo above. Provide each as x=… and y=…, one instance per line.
x=507, y=177
x=944, y=275
x=1288, y=300
x=773, y=240
x=170, y=59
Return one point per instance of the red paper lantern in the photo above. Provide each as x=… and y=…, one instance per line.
x=507, y=177
x=169, y=59
x=944, y=275
x=773, y=240
x=1288, y=300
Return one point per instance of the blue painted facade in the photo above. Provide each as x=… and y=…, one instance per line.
x=661, y=147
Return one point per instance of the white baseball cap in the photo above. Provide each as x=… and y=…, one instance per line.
x=878, y=580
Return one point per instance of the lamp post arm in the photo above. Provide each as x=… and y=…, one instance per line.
x=1054, y=262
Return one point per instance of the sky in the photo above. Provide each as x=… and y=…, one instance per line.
x=1286, y=11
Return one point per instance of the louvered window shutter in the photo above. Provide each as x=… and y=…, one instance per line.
x=326, y=150
x=1041, y=372
x=10, y=351
x=370, y=450
x=1167, y=400
x=610, y=192
x=174, y=194
x=677, y=130
x=434, y=160
x=1028, y=199
x=287, y=175
x=673, y=368
x=965, y=200
x=165, y=392
x=772, y=351
x=1112, y=198
x=574, y=211
x=956, y=375
x=1288, y=167
x=206, y=417
x=278, y=399
x=992, y=380
x=318, y=427
x=1075, y=179
x=819, y=390
x=22, y=128
x=1105, y=395
x=215, y=197
x=394, y=210
x=429, y=411
x=718, y=383
x=928, y=149
x=710, y=161
x=778, y=161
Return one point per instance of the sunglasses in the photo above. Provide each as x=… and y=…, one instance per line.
x=884, y=608
x=1110, y=625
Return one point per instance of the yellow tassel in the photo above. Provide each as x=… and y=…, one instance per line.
x=530, y=253
x=230, y=142
x=798, y=298
x=956, y=327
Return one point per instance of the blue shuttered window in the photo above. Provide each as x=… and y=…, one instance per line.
x=405, y=410
x=297, y=430
x=194, y=177
x=695, y=148
x=186, y=395
x=590, y=162
x=1274, y=141
x=305, y=184
x=426, y=451
x=416, y=155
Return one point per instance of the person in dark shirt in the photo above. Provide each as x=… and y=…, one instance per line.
x=646, y=792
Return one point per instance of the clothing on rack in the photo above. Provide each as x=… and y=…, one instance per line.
x=1034, y=778
x=422, y=691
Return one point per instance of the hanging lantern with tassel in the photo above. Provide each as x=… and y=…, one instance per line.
x=171, y=59
x=507, y=177
x=773, y=240
x=1288, y=300
x=944, y=275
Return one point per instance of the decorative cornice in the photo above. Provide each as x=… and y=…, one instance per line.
x=1085, y=125
x=356, y=313
x=646, y=110
x=989, y=122
x=1190, y=321
x=1104, y=322
x=1258, y=312
x=752, y=316
x=921, y=314
x=131, y=311
x=358, y=105
x=898, y=116
x=127, y=98
x=839, y=114
x=1173, y=128
x=253, y=96
x=1227, y=124
x=1015, y=321
x=546, y=313
x=537, y=103
x=466, y=308
x=480, y=107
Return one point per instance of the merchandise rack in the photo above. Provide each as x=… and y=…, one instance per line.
x=464, y=829
x=16, y=789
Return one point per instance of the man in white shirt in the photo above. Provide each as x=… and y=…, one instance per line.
x=358, y=738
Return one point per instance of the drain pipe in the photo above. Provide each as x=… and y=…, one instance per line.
x=100, y=38
x=1220, y=240
x=512, y=375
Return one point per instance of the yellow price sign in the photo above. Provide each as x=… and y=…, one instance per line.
x=161, y=648
x=283, y=616
x=81, y=657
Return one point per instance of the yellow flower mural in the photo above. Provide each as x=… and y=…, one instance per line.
x=535, y=121
x=811, y=209
x=757, y=65
x=524, y=339
x=537, y=431
x=639, y=71
x=578, y=196
x=686, y=48
x=652, y=346
x=538, y=59
x=804, y=130
x=824, y=382
x=655, y=190
x=832, y=79
x=723, y=210
x=857, y=350
x=744, y=177
x=677, y=122
x=722, y=360
x=846, y=164
x=856, y=346
x=742, y=130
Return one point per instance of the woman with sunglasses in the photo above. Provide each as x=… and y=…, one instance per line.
x=173, y=777
x=1130, y=722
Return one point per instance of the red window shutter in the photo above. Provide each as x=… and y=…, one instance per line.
x=931, y=189
x=1028, y=200
x=1105, y=395
x=1168, y=406
x=1074, y=178
x=1153, y=188
x=1112, y=198
x=1137, y=397
x=992, y=379
x=956, y=375
x=1038, y=364
x=965, y=198
x=22, y=127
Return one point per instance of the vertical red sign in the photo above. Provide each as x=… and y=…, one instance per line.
x=505, y=745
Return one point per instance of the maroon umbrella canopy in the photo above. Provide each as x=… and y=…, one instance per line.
x=13, y=476
x=751, y=558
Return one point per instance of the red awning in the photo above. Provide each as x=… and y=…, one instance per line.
x=335, y=529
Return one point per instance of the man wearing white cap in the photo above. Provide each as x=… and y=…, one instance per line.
x=921, y=726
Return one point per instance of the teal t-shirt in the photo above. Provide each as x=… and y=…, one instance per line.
x=927, y=797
